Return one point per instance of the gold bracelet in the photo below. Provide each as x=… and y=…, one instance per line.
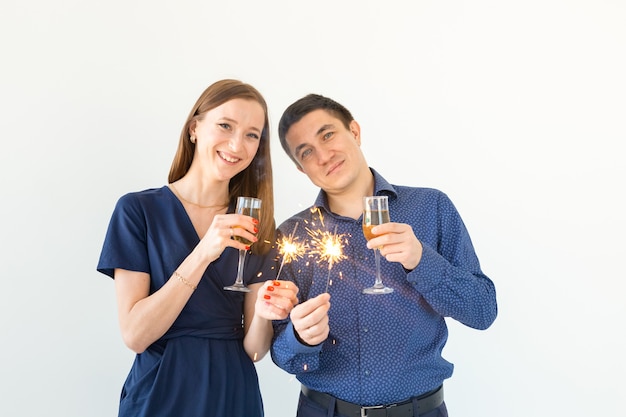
x=184, y=281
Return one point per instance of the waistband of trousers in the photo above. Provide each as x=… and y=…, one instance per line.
x=424, y=403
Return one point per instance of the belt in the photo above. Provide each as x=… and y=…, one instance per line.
x=425, y=403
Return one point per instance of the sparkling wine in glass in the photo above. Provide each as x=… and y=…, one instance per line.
x=249, y=206
x=375, y=212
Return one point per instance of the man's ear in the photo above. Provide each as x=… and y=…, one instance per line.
x=355, y=129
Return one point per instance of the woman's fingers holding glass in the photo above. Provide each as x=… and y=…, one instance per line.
x=243, y=229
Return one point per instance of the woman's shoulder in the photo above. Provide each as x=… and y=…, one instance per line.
x=147, y=194
x=141, y=200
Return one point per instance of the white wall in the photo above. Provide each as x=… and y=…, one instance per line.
x=514, y=109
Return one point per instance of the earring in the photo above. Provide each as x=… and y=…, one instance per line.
x=192, y=139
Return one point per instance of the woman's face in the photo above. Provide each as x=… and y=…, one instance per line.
x=227, y=138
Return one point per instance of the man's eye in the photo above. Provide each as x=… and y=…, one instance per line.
x=328, y=135
x=305, y=153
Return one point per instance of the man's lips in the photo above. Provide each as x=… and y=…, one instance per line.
x=334, y=167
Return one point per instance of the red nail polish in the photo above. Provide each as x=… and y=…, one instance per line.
x=276, y=283
x=255, y=221
x=248, y=247
x=270, y=288
x=256, y=230
x=267, y=297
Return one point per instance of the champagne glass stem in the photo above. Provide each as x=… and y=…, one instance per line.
x=239, y=285
x=379, y=281
x=242, y=259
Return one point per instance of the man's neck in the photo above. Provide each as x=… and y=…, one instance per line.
x=349, y=203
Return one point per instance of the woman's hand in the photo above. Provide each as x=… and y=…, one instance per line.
x=221, y=232
x=275, y=299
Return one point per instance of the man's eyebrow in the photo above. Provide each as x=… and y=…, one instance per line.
x=324, y=128
x=298, y=148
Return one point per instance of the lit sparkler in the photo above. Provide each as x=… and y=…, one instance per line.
x=328, y=247
x=290, y=249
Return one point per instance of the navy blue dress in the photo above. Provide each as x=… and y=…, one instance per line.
x=199, y=367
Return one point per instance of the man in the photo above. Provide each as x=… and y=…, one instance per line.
x=371, y=355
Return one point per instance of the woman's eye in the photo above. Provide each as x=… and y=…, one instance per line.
x=253, y=136
x=224, y=125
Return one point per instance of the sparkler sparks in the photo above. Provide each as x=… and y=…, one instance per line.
x=290, y=249
x=328, y=247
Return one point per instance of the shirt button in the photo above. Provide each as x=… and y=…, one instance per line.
x=365, y=330
x=367, y=372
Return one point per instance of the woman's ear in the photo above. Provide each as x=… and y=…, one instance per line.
x=192, y=129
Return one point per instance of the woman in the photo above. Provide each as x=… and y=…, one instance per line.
x=171, y=251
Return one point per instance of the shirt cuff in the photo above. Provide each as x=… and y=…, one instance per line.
x=295, y=345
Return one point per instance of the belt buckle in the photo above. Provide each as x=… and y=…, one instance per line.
x=365, y=410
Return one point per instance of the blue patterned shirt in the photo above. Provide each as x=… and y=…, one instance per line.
x=385, y=348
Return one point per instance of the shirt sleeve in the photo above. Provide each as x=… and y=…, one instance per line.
x=449, y=275
x=289, y=353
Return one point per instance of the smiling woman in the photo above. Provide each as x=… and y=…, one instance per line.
x=227, y=138
x=172, y=309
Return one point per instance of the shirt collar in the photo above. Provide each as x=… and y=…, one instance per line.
x=381, y=187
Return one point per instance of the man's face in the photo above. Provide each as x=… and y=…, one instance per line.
x=326, y=151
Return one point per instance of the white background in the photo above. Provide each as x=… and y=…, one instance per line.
x=514, y=109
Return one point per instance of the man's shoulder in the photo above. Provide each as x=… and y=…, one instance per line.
x=411, y=190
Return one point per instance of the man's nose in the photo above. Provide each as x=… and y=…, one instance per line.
x=324, y=155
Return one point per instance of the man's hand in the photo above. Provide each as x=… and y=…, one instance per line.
x=397, y=243
x=310, y=319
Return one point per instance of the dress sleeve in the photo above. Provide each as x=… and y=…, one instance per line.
x=125, y=243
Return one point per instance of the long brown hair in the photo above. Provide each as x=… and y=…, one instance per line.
x=254, y=181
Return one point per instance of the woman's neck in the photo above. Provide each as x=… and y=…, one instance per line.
x=200, y=195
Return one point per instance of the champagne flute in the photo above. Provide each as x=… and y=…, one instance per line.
x=375, y=212
x=249, y=206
